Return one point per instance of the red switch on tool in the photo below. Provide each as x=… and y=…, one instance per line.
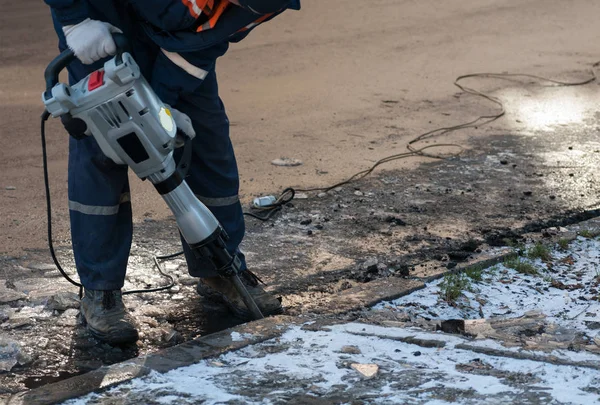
x=96, y=80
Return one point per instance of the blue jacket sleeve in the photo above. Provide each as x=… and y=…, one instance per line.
x=69, y=12
x=269, y=6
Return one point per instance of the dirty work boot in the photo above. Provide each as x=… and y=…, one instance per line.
x=221, y=289
x=106, y=317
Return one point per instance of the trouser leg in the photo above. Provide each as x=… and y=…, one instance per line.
x=99, y=200
x=213, y=173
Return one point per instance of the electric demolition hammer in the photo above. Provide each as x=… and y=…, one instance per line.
x=117, y=106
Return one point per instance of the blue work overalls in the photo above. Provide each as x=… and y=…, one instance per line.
x=99, y=199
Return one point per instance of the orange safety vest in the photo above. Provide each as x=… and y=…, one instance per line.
x=213, y=10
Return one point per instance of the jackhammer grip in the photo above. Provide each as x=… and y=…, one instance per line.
x=55, y=67
x=122, y=44
x=67, y=56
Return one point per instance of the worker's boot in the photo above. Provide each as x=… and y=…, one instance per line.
x=222, y=289
x=106, y=317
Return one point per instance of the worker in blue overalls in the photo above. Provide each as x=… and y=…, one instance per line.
x=176, y=44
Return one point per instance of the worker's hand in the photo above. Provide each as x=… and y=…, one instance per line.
x=184, y=127
x=91, y=40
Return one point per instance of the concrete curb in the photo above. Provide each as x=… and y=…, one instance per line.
x=168, y=359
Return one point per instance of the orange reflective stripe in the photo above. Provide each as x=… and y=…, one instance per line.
x=214, y=17
x=198, y=7
x=256, y=22
x=192, y=7
x=206, y=6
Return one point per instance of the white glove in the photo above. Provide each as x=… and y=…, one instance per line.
x=91, y=40
x=184, y=124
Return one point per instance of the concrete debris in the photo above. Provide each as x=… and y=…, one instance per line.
x=480, y=328
x=172, y=337
x=8, y=295
x=17, y=322
x=286, y=162
x=9, y=352
x=63, y=301
x=68, y=318
x=358, y=193
x=350, y=350
x=366, y=370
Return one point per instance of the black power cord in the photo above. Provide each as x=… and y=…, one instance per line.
x=479, y=121
x=44, y=118
x=289, y=193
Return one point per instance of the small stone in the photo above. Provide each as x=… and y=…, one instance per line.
x=172, y=337
x=309, y=232
x=24, y=358
x=286, y=162
x=504, y=162
x=350, y=350
x=9, y=353
x=552, y=197
x=68, y=318
x=63, y=301
x=451, y=265
x=338, y=189
x=178, y=297
x=300, y=196
x=42, y=342
x=321, y=195
x=417, y=353
x=186, y=280
x=306, y=222
x=17, y=322
x=527, y=193
x=366, y=370
x=358, y=193
x=593, y=325
x=10, y=188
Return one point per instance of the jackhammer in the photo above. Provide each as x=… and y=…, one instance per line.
x=117, y=106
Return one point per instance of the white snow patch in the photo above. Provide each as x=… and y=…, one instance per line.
x=509, y=294
x=306, y=358
x=240, y=337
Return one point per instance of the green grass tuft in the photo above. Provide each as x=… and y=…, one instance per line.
x=586, y=233
x=453, y=285
x=475, y=273
x=539, y=251
x=563, y=243
x=517, y=264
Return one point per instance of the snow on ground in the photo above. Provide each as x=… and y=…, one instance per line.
x=507, y=293
x=318, y=364
x=307, y=362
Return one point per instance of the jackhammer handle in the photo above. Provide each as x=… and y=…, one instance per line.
x=67, y=56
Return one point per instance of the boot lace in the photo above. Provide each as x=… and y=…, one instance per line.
x=108, y=300
x=251, y=278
